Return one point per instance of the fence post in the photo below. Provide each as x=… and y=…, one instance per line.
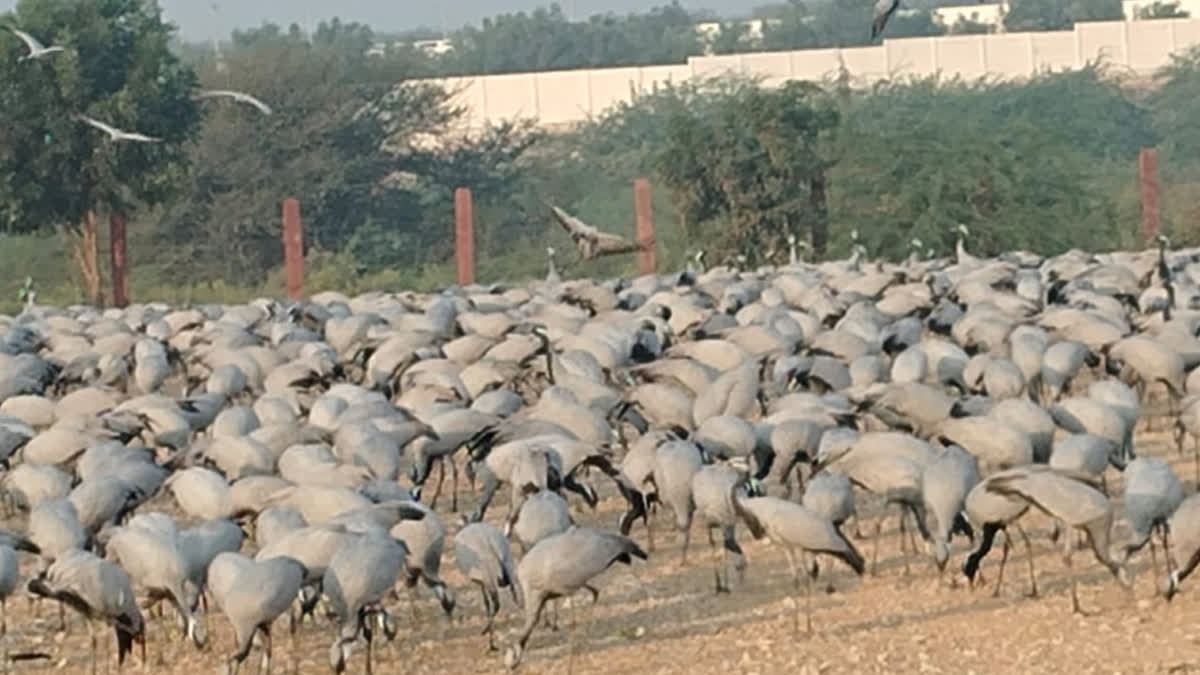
x=119, y=253
x=1148, y=173
x=293, y=248
x=644, y=212
x=464, y=236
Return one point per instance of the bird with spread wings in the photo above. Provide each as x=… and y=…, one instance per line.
x=591, y=242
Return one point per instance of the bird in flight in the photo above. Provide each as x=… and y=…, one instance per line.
x=883, y=11
x=116, y=134
x=36, y=49
x=237, y=96
x=591, y=242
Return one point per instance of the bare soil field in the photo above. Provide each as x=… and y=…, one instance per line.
x=660, y=617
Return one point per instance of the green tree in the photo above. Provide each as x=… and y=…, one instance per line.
x=1162, y=10
x=921, y=158
x=546, y=40
x=117, y=68
x=371, y=160
x=756, y=160
x=1039, y=15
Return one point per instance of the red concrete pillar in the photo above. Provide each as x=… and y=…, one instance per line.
x=645, y=225
x=464, y=236
x=293, y=248
x=120, y=258
x=1148, y=173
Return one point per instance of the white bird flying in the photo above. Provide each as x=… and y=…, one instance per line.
x=116, y=134
x=36, y=49
x=237, y=96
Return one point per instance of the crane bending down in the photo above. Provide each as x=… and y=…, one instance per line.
x=116, y=134
x=591, y=242
x=1073, y=499
x=97, y=589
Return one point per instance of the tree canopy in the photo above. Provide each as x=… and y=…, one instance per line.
x=116, y=68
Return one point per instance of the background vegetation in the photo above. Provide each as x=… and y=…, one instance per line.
x=1044, y=165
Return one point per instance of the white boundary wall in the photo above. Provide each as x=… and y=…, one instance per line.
x=558, y=99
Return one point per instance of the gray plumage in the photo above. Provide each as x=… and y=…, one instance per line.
x=355, y=582
x=425, y=540
x=1070, y=499
x=1152, y=493
x=483, y=555
x=797, y=530
x=98, y=590
x=675, y=463
x=711, y=488
x=562, y=564
x=1184, y=529
x=945, y=484
x=252, y=594
x=543, y=514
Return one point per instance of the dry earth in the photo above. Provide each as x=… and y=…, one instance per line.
x=661, y=618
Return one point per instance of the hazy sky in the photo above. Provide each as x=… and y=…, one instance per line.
x=198, y=19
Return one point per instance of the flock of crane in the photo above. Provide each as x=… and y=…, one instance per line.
x=274, y=458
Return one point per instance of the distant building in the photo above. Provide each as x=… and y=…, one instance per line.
x=988, y=14
x=1132, y=7
x=708, y=31
x=992, y=13
x=434, y=47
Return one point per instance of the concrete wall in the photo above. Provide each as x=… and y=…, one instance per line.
x=560, y=98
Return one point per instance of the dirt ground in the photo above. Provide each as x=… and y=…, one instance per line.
x=659, y=617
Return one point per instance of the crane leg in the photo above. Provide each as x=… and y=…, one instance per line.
x=437, y=488
x=687, y=539
x=1033, y=587
x=266, y=662
x=1168, y=559
x=650, y=529
x=808, y=587
x=791, y=560
x=875, y=552
x=1067, y=551
x=453, y=485
x=92, y=634
x=904, y=540
x=717, y=562
x=1154, y=561
x=1003, y=559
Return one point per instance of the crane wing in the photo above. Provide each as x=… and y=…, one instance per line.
x=574, y=226
x=237, y=96
x=883, y=11
x=599, y=243
x=611, y=244
x=112, y=131
x=29, y=40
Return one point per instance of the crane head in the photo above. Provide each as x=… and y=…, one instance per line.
x=854, y=235
x=550, y=252
x=962, y=229
x=916, y=244
x=791, y=239
x=1162, y=240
